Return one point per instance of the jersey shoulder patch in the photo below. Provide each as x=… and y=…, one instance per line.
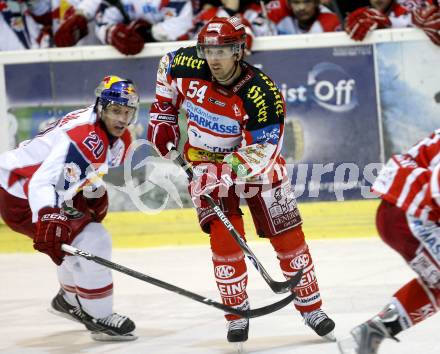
x=186, y=64
x=262, y=100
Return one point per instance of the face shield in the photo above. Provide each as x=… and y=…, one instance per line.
x=114, y=92
x=218, y=52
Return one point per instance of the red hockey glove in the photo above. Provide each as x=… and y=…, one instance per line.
x=142, y=28
x=163, y=126
x=211, y=179
x=428, y=20
x=125, y=39
x=360, y=22
x=98, y=207
x=53, y=229
x=71, y=31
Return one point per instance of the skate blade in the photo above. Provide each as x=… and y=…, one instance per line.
x=104, y=337
x=348, y=345
x=238, y=347
x=62, y=314
x=330, y=336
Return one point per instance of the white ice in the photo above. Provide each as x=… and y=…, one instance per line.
x=357, y=277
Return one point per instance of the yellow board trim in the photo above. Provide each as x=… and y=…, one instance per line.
x=179, y=227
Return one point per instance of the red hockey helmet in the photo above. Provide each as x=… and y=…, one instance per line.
x=222, y=31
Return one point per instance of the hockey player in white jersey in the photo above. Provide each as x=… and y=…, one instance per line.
x=51, y=190
x=128, y=24
x=20, y=27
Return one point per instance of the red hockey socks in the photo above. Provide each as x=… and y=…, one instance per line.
x=415, y=302
x=229, y=265
x=293, y=254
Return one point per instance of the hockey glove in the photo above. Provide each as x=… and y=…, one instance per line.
x=71, y=31
x=210, y=179
x=125, y=39
x=163, y=127
x=53, y=230
x=98, y=207
x=428, y=20
x=364, y=20
x=142, y=28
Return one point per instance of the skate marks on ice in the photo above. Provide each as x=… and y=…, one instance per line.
x=356, y=278
x=266, y=345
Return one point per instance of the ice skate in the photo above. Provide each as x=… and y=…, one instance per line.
x=320, y=323
x=238, y=332
x=111, y=328
x=60, y=307
x=367, y=337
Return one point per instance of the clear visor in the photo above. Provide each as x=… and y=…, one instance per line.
x=117, y=111
x=218, y=52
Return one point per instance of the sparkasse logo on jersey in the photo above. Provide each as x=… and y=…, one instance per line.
x=329, y=85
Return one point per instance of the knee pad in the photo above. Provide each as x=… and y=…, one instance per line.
x=96, y=240
x=222, y=243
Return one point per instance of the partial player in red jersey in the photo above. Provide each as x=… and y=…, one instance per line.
x=235, y=113
x=292, y=17
x=407, y=220
x=52, y=191
x=390, y=14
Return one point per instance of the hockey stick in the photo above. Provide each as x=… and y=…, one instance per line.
x=276, y=286
x=338, y=12
x=261, y=311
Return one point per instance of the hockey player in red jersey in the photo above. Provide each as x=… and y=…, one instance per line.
x=233, y=109
x=52, y=191
x=291, y=17
x=407, y=220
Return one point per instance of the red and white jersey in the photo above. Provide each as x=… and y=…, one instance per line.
x=326, y=21
x=399, y=16
x=222, y=119
x=411, y=5
x=171, y=19
x=282, y=20
x=71, y=154
x=410, y=181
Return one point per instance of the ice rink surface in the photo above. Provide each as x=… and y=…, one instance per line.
x=356, y=277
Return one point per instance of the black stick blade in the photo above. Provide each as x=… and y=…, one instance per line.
x=280, y=287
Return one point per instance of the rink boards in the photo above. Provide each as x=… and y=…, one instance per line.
x=179, y=227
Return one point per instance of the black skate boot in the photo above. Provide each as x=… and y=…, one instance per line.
x=238, y=330
x=367, y=337
x=111, y=328
x=320, y=323
x=60, y=307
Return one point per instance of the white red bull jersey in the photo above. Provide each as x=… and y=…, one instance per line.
x=171, y=19
x=410, y=180
x=18, y=29
x=71, y=154
x=62, y=9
